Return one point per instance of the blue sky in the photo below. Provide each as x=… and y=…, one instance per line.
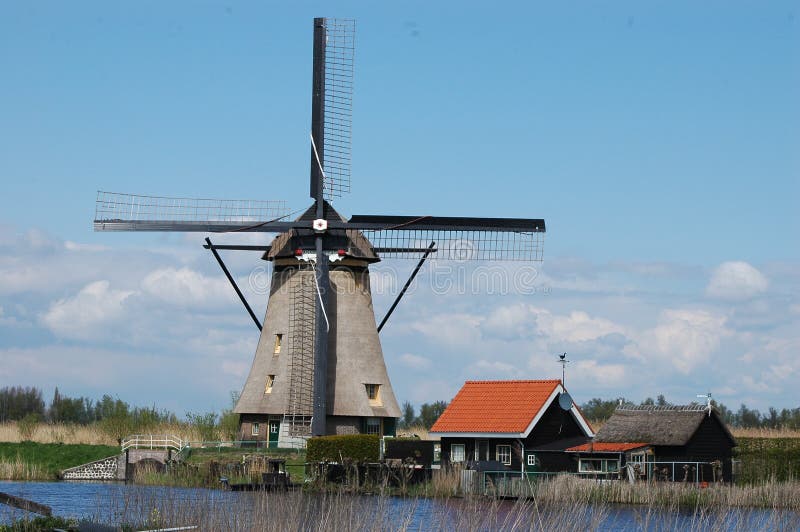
x=659, y=142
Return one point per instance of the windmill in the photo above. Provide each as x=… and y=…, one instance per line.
x=319, y=368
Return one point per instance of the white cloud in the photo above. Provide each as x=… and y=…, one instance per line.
x=415, y=361
x=69, y=245
x=458, y=329
x=185, y=286
x=523, y=321
x=84, y=315
x=683, y=338
x=494, y=369
x=736, y=281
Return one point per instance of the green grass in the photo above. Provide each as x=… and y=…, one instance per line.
x=52, y=458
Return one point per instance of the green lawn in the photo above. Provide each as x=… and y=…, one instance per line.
x=55, y=457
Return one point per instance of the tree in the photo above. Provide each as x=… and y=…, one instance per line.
x=229, y=421
x=597, y=409
x=205, y=424
x=16, y=402
x=409, y=416
x=429, y=413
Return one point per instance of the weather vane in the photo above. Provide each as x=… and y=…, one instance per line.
x=707, y=397
x=563, y=361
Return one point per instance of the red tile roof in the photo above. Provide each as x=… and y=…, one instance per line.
x=495, y=406
x=601, y=447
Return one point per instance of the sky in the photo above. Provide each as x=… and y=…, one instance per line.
x=660, y=141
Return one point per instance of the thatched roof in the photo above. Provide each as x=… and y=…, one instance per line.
x=655, y=425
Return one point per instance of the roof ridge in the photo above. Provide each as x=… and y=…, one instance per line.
x=505, y=381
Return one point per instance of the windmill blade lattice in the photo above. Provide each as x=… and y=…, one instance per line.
x=338, y=112
x=133, y=212
x=459, y=245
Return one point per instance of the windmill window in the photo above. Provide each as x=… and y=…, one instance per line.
x=373, y=394
x=504, y=454
x=278, y=340
x=270, y=382
x=457, y=452
x=255, y=429
x=532, y=460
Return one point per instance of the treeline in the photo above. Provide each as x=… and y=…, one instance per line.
x=113, y=416
x=744, y=417
x=18, y=402
x=428, y=414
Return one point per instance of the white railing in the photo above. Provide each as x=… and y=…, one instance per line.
x=153, y=441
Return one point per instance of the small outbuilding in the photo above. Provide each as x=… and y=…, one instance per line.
x=513, y=423
x=674, y=443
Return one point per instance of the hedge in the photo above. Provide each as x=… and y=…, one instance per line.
x=356, y=447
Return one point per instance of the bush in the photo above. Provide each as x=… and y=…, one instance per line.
x=205, y=424
x=355, y=447
x=27, y=426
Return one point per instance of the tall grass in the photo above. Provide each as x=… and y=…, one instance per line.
x=88, y=434
x=338, y=511
x=19, y=469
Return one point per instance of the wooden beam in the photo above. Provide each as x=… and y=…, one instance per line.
x=25, y=504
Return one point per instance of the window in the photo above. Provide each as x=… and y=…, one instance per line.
x=373, y=394
x=533, y=460
x=595, y=465
x=457, y=452
x=278, y=339
x=504, y=454
x=269, y=383
x=255, y=429
x=373, y=425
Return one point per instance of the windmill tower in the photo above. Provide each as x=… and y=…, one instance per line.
x=319, y=368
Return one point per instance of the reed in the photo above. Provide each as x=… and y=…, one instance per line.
x=758, y=432
x=340, y=511
x=19, y=469
x=93, y=434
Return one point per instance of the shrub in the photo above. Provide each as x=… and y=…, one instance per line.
x=355, y=447
x=205, y=424
x=27, y=426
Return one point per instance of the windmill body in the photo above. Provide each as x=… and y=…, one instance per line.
x=319, y=367
x=278, y=393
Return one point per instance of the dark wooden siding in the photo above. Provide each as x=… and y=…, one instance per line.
x=555, y=424
x=709, y=442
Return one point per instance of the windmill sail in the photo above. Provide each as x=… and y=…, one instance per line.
x=457, y=238
x=134, y=212
x=332, y=106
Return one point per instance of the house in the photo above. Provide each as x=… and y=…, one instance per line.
x=678, y=443
x=523, y=425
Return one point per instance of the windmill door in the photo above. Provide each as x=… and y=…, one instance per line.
x=274, y=432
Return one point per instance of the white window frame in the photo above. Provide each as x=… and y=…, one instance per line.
x=533, y=460
x=255, y=429
x=603, y=462
x=505, y=457
x=461, y=455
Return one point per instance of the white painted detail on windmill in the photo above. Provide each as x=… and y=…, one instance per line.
x=320, y=225
x=308, y=257
x=333, y=257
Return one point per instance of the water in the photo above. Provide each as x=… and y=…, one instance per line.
x=117, y=502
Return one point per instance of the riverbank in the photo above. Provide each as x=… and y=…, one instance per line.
x=44, y=461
